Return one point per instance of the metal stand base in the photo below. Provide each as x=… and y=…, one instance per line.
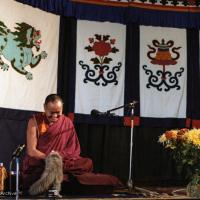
x=130, y=185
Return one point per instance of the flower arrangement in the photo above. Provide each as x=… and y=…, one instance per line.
x=185, y=147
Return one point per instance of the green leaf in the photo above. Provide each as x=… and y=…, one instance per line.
x=114, y=50
x=95, y=60
x=106, y=37
x=190, y=162
x=89, y=48
x=2, y=30
x=98, y=37
x=107, y=60
x=2, y=24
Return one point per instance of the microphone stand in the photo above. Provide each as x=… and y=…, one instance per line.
x=130, y=182
x=17, y=177
x=131, y=106
x=10, y=176
x=15, y=157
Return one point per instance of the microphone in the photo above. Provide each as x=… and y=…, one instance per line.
x=18, y=151
x=95, y=112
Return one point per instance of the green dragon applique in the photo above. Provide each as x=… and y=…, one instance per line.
x=16, y=47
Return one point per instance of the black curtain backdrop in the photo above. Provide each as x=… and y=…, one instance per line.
x=109, y=148
x=109, y=145
x=67, y=59
x=13, y=124
x=193, y=83
x=132, y=87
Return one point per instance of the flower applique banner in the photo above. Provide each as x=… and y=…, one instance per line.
x=29, y=55
x=163, y=72
x=100, y=66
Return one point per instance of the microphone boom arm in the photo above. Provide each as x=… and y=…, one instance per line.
x=131, y=105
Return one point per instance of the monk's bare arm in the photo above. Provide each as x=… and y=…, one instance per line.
x=32, y=141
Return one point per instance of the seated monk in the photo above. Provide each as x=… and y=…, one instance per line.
x=52, y=131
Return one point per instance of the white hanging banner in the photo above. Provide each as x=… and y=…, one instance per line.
x=163, y=72
x=28, y=56
x=100, y=67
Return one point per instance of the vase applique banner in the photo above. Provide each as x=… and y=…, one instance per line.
x=163, y=72
x=100, y=67
x=29, y=56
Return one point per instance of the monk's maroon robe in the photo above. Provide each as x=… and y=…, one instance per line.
x=61, y=136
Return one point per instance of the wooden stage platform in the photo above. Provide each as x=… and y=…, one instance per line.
x=139, y=193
